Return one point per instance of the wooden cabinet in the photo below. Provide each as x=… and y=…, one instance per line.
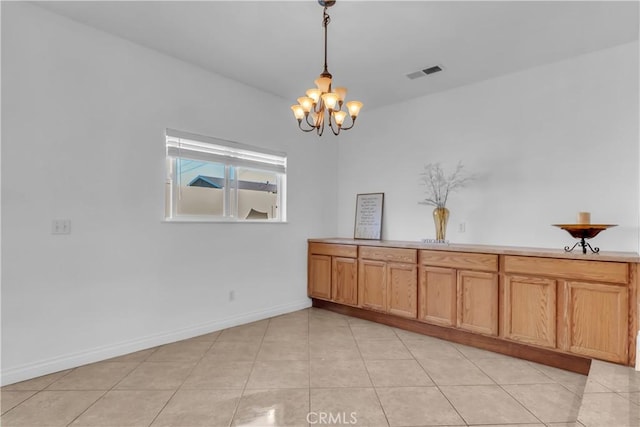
x=530, y=309
x=386, y=282
x=402, y=289
x=372, y=284
x=595, y=319
x=522, y=301
x=591, y=307
x=478, y=302
x=344, y=280
x=333, y=273
x=437, y=296
x=459, y=289
x=319, y=283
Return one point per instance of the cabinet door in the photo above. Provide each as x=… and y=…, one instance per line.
x=372, y=284
x=345, y=280
x=437, y=296
x=530, y=310
x=595, y=315
x=319, y=282
x=402, y=289
x=478, y=302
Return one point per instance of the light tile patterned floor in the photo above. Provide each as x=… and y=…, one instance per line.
x=314, y=367
x=611, y=396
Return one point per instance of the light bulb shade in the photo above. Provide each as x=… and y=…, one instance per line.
x=323, y=83
x=314, y=94
x=306, y=103
x=354, y=108
x=317, y=119
x=330, y=100
x=339, y=117
x=341, y=92
x=298, y=112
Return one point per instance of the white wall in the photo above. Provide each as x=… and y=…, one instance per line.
x=83, y=120
x=547, y=142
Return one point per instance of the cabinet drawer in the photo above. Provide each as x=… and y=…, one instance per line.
x=409, y=256
x=347, y=251
x=600, y=271
x=459, y=260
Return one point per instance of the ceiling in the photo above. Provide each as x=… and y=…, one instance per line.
x=276, y=46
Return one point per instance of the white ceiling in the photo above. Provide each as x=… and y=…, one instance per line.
x=276, y=46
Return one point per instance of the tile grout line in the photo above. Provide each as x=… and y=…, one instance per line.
x=36, y=392
x=436, y=385
x=375, y=390
x=559, y=383
x=88, y=407
x=509, y=394
x=528, y=410
x=529, y=363
x=155, y=349
x=253, y=366
x=112, y=387
x=619, y=393
x=184, y=380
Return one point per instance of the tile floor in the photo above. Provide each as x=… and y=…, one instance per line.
x=314, y=367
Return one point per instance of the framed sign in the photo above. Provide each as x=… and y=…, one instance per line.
x=369, y=216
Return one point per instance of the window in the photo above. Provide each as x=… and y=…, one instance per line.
x=210, y=179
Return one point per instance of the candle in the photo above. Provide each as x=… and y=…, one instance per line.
x=584, y=218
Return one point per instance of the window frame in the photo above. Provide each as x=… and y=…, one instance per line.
x=233, y=156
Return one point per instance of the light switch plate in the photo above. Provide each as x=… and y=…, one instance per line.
x=61, y=226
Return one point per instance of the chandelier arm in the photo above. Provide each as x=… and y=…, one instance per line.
x=353, y=122
x=333, y=130
x=303, y=129
x=331, y=126
x=308, y=122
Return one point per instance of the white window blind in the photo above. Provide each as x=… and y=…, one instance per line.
x=197, y=147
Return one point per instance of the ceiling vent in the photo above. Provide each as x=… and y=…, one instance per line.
x=431, y=70
x=424, y=72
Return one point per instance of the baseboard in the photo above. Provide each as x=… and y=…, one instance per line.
x=73, y=360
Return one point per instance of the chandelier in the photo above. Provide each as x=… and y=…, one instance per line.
x=322, y=103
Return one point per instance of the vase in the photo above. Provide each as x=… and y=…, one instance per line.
x=440, y=218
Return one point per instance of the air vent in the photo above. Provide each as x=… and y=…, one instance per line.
x=431, y=70
x=424, y=72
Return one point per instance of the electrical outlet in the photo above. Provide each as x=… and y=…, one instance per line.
x=232, y=295
x=61, y=226
x=462, y=227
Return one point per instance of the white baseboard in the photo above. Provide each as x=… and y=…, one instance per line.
x=73, y=360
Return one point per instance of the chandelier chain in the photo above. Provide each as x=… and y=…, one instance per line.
x=325, y=23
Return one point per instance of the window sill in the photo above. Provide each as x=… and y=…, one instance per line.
x=221, y=221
